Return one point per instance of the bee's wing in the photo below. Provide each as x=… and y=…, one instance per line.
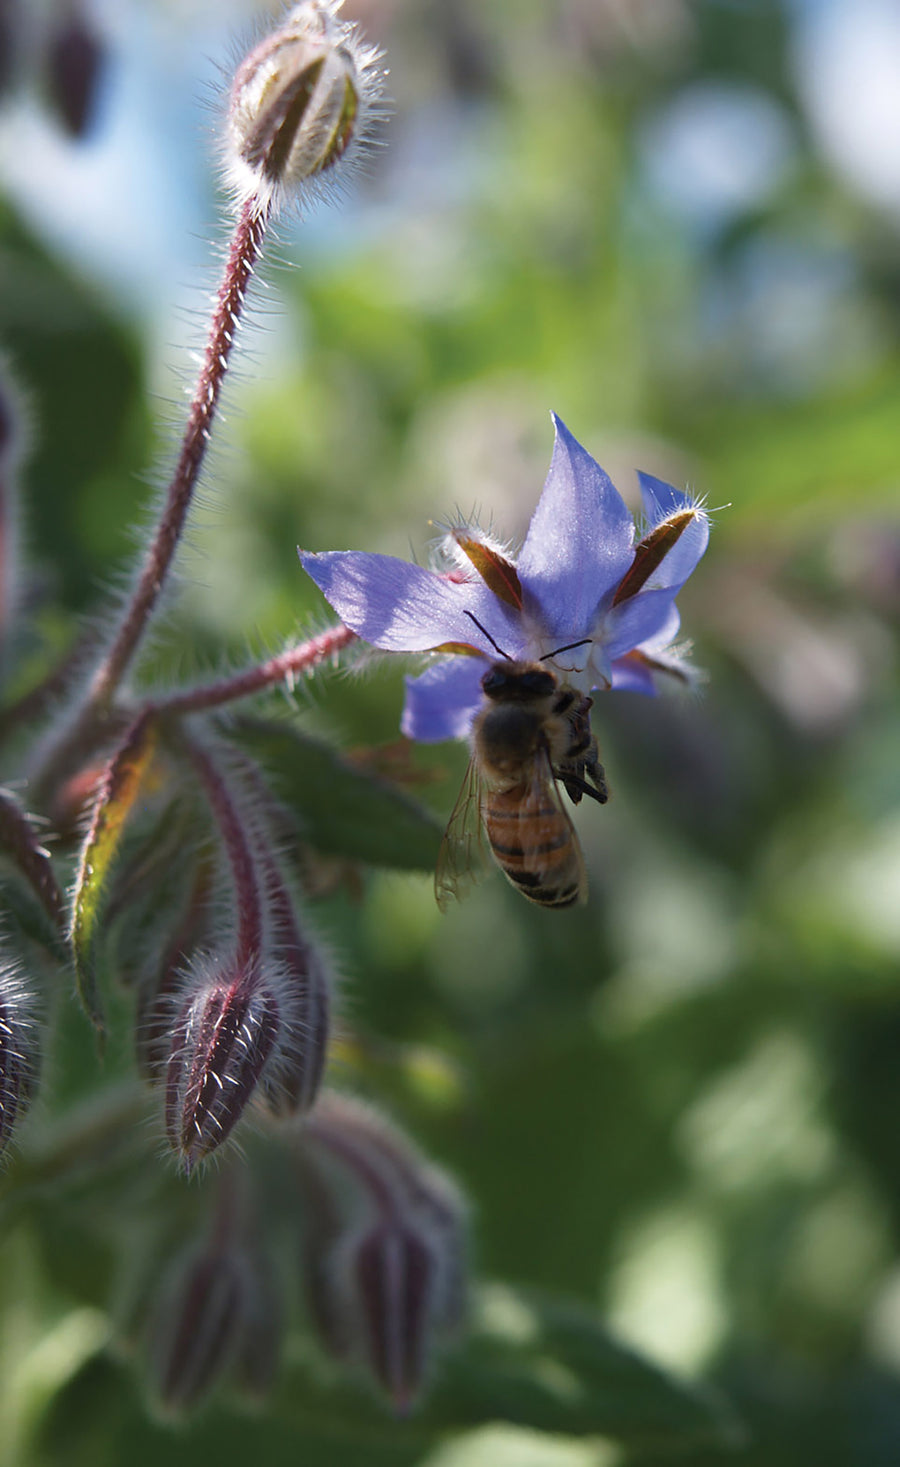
x=463, y=856
x=537, y=855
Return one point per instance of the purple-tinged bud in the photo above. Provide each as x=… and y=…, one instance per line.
x=294, y=1077
x=262, y=1337
x=18, y=1052
x=394, y=1280
x=224, y=1034
x=197, y=1328
x=382, y=1289
x=402, y=1181
x=301, y=103
x=9, y=43
x=75, y=60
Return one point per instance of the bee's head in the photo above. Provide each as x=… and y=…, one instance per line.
x=518, y=682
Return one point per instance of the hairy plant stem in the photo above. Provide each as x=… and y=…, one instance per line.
x=18, y=839
x=243, y=254
x=89, y=737
x=239, y=851
x=245, y=250
x=319, y=1127
x=291, y=663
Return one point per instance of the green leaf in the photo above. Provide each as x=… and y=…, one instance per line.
x=344, y=810
x=122, y=781
x=541, y=1364
x=550, y=1365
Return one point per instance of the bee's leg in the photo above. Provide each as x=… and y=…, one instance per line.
x=576, y=786
x=597, y=773
x=572, y=784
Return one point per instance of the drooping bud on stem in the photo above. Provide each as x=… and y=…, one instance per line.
x=229, y=1016
x=75, y=57
x=199, y=1316
x=284, y=130
x=302, y=103
x=297, y=962
x=224, y=1033
x=292, y=1084
x=386, y=1276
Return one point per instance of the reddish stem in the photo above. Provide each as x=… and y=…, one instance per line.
x=318, y=1127
x=294, y=661
x=18, y=839
x=245, y=250
x=240, y=855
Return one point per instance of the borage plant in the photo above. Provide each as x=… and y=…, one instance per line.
x=179, y=909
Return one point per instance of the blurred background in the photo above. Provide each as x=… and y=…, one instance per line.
x=675, y=224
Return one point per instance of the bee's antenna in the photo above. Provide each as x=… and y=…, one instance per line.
x=487, y=634
x=567, y=648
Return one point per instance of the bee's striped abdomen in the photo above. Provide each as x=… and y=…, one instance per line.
x=533, y=844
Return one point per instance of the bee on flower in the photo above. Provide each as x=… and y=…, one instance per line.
x=520, y=645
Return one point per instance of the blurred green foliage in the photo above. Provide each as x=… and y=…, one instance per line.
x=679, y=1105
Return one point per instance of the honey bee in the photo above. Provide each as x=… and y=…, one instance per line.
x=532, y=735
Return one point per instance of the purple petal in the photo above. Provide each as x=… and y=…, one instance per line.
x=667, y=633
x=404, y=608
x=632, y=677
x=579, y=543
x=645, y=618
x=441, y=703
x=660, y=501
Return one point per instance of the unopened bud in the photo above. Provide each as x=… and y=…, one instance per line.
x=259, y=1352
x=197, y=1327
x=395, y=1277
x=293, y=1078
x=18, y=1053
x=382, y=1290
x=10, y=43
x=74, y=61
x=301, y=103
x=223, y=1036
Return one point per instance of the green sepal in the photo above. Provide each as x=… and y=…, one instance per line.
x=121, y=784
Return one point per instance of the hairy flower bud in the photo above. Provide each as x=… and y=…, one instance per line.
x=292, y=1080
x=262, y=1336
x=18, y=1053
x=75, y=59
x=301, y=103
x=385, y=1270
x=393, y=1281
x=223, y=1036
x=10, y=23
x=197, y=1327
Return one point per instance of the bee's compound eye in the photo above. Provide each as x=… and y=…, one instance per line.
x=538, y=682
x=495, y=680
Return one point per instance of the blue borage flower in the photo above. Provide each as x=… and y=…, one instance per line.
x=584, y=594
